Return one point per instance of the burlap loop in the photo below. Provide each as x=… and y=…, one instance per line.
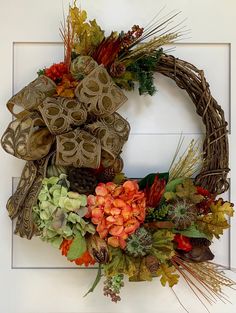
x=86, y=129
x=31, y=136
x=111, y=142
x=27, y=138
x=61, y=115
x=101, y=95
x=28, y=99
x=78, y=148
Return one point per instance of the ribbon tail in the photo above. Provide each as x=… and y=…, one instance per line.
x=27, y=194
x=16, y=201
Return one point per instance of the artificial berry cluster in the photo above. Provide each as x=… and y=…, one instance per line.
x=132, y=35
x=112, y=286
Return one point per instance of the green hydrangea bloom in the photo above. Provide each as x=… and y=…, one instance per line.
x=59, y=212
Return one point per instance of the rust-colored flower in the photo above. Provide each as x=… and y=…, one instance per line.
x=86, y=259
x=155, y=192
x=204, y=206
x=108, y=50
x=117, y=210
x=56, y=71
x=183, y=243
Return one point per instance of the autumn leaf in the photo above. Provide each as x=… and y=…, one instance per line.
x=167, y=274
x=87, y=35
x=187, y=190
x=120, y=263
x=221, y=207
x=215, y=223
x=212, y=225
x=162, y=247
x=142, y=272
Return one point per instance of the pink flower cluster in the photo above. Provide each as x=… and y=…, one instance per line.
x=117, y=210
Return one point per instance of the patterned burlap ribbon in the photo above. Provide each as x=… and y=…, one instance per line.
x=83, y=132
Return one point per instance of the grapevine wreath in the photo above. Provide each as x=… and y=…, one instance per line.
x=72, y=192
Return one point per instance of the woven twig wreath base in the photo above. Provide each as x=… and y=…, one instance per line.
x=213, y=174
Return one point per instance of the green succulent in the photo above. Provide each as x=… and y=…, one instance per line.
x=139, y=243
x=59, y=212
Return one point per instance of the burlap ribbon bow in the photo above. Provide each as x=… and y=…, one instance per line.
x=83, y=132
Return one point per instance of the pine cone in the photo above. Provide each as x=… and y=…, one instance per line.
x=82, y=180
x=152, y=263
x=182, y=213
x=139, y=243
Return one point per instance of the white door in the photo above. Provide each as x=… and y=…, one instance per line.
x=33, y=276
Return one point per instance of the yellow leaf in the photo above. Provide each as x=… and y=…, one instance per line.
x=86, y=35
x=221, y=208
x=212, y=224
x=187, y=190
x=215, y=223
x=167, y=274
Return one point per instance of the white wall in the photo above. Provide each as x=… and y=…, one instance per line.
x=36, y=278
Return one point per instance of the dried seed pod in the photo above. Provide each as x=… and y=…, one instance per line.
x=182, y=213
x=97, y=247
x=199, y=254
x=82, y=180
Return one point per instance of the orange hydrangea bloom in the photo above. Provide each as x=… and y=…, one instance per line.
x=85, y=259
x=117, y=211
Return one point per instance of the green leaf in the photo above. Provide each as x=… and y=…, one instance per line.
x=149, y=179
x=169, y=195
x=171, y=186
x=192, y=232
x=77, y=248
